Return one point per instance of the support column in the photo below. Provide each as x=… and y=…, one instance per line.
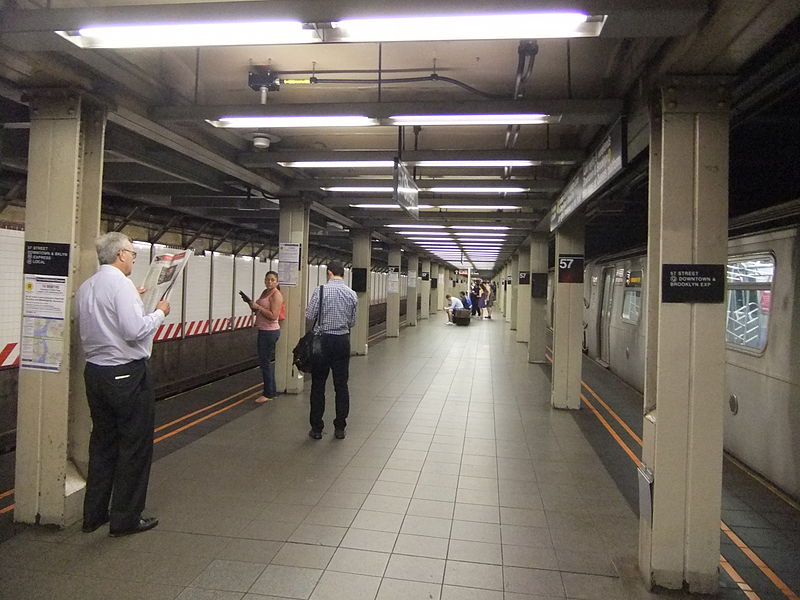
x=425, y=289
x=411, y=294
x=393, y=293
x=293, y=229
x=512, y=293
x=568, y=315
x=683, y=440
x=362, y=258
x=65, y=174
x=538, y=326
x=524, y=293
x=433, y=304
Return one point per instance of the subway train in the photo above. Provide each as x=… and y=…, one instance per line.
x=762, y=403
x=207, y=335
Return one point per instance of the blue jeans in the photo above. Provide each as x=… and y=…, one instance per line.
x=266, y=358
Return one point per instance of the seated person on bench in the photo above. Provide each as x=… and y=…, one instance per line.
x=453, y=304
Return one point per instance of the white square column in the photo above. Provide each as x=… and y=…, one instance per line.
x=65, y=175
x=411, y=294
x=568, y=315
x=513, y=286
x=362, y=259
x=425, y=289
x=524, y=293
x=393, y=293
x=537, y=340
x=685, y=375
x=292, y=229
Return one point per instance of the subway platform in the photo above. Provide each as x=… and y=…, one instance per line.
x=456, y=481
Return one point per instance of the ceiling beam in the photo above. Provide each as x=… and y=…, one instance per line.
x=572, y=111
x=545, y=156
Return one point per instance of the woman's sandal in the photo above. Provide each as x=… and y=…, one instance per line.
x=263, y=399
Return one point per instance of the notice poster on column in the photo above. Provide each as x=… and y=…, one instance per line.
x=44, y=304
x=393, y=280
x=289, y=264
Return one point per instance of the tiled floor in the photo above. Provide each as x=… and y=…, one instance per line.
x=456, y=482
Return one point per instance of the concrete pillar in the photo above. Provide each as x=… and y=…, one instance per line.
x=411, y=296
x=444, y=286
x=362, y=258
x=512, y=292
x=537, y=340
x=568, y=315
x=65, y=173
x=433, y=304
x=393, y=293
x=293, y=229
x=425, y=289
x=682, y=442
x=524, y=293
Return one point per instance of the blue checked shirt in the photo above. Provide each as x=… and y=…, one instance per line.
x=338, y=311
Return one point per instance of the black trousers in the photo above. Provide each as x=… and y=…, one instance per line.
x=121, y=401
x=335, y=358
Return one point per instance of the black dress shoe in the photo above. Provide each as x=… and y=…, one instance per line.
x=339, y=434
x=143, y=524
x=90, y=527
x=315, y=435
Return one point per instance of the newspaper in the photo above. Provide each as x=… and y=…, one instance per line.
x=161, y=276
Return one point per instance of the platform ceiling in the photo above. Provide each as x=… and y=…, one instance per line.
x=165, y=164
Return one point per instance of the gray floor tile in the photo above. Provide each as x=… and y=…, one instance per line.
x=529, y=557
x=429, y=526
x=398, y=476
x=303, y=555
x=201, y=594
x=451, y=592
x=415, y=568
x=478, y=513
x=257, y=551
x=345, y=586
x=292, y=582
x=534, y=581
x=467, y=574
x=480, y=552
x=228, y=575
x=362, y=539
x=421, y=545
x=390, y=504
x=329, y=515
x=475, y=532
x=396, y=589
x=431, y=508
x=323, y=535
x=363, y=562
x=378, y=521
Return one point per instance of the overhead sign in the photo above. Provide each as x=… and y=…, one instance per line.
x=46, y=258
x=693, y=283
x=607, y=159
x=406, y=192
x=538, y=285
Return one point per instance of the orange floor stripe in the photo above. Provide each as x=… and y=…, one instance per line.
x=6, y=493
x=197, y=412
x=613, y=414
x=200, y=420
x=771, y=575
x=6, y=509
x=737, y=579
x=613, y=433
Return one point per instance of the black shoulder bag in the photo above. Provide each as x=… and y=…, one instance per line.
x=310, y=345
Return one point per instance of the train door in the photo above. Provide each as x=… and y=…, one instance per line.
x=605, y=305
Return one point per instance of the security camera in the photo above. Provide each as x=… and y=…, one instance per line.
x=261, y=142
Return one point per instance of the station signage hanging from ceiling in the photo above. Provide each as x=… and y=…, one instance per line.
x=406, y=192
x=607, y=159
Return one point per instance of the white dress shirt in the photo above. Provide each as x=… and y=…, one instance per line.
x=455, y=303
x=114, y=329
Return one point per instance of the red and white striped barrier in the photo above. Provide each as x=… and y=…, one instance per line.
x=9, y=356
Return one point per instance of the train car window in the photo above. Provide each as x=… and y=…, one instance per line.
x=632, y=297
x=749, y=300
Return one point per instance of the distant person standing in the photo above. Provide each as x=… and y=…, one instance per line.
x=488, y=298
x=339, y=304
x=268, y=309
x=117, y=338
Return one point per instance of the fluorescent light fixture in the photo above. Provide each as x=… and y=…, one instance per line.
x=293, y=121
x=371, y=189
x=468, y=27
x=479, y=235
x=338, y=164
x=412, y=226
x=475, y=119
x=192, y=34
x=493, y=227
x=478, y=207
x=476, y=163
x=477, y=190
x=411, y=232
x=386, y=206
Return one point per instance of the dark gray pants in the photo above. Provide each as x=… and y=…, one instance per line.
x=121, y=401
x=336, y=359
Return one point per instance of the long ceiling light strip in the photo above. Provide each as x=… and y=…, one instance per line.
x=293, y=121
x=381, y=164
x=476, y=119
x=238, y=33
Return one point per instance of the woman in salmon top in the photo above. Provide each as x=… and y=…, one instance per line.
x=269, y=312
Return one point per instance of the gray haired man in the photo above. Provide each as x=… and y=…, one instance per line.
x=117, y=338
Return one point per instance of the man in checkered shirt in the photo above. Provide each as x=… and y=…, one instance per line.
x=339, y=304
